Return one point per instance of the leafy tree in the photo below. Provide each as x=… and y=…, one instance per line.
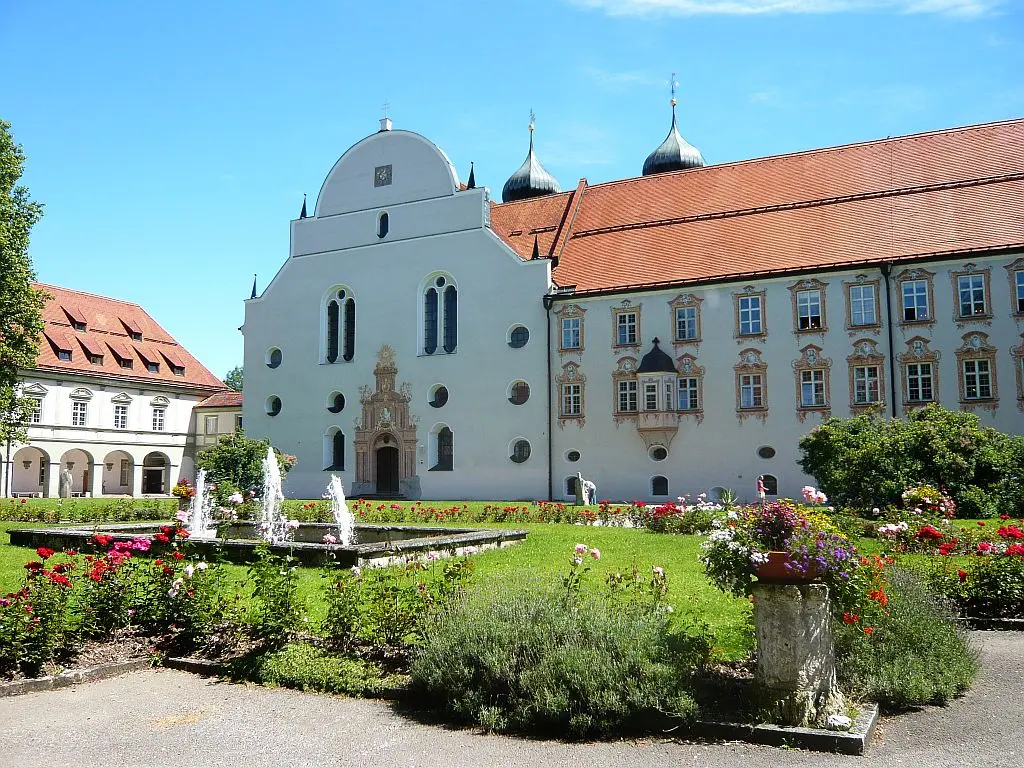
x=21, y=305
x=236, y=463
x=234, y=378
x=868, y=461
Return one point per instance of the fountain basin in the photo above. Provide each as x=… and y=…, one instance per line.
x=377, y=545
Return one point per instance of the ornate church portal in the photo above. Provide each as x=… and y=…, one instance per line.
x=385, y=440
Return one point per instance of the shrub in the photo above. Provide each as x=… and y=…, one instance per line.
x=914, y=654
x=274, y=583
x=867, y=461
x=236, y=462
x=537, y=661
x=307, y=668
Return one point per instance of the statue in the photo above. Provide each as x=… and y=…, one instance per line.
x=586, y=491
x=64, y=484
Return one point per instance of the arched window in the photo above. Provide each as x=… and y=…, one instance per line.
x=334, y=449
x=382, y=225
x=440, y=315
x=445, y=450
x=339, y=326
x=659, y=486
x=771, y=485
x=451, y=311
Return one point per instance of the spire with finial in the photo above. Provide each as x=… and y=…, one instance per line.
x=471, y=184
x=302, y=213
x=531, y=180
x=674, y=153
x=536, y=249
x=253, y=296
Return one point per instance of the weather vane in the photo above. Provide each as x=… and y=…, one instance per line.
x=533, y=118
x=673, y=85
x=385, y=107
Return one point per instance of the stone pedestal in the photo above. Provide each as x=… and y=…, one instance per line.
x=796, y=663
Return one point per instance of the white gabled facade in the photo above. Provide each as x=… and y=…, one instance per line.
x=435, y=231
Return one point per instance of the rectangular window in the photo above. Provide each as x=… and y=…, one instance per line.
x=808, y=310
x=751, y=391
x=126, y=362
x=120, y=417
x=750, y=315
x=238, y=422
x=625, y=325
x=42, y=471
x=627, y=397
x=862, y=305
x=1018, y=281
x=972, y=294
x=158, y=419
x=919, y=382
x=125, y=467
x=812, y=388
x=64, y=354
x=178, y=370
x=977, y=380
x=96, y=359
x=650, y=396
x=686, y=323
x=211, y=425
x=572, y=400
x=79, y=413
x=35, y=411
x=571, y=333
x=669, y=396
x=153, y=367
x=865, y=384
x=688, y=394
x=915, y=300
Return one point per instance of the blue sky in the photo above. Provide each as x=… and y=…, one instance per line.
x=172, y=142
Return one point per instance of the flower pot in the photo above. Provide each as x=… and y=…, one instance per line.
x=777, y=571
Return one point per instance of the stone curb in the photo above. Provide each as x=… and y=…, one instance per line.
x=851, y=742
x=72, y=677
x=974, y=622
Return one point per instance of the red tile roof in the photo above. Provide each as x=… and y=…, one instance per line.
x=107, y=321
x=227, y=399
x=952, y=191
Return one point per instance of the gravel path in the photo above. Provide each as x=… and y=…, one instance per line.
x=167, y=718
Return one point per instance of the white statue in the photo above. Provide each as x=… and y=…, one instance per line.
x=64, y=484
x=586, y=491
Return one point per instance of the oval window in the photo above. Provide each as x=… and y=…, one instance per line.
x=766, y=452
x=572, y=456
x=659, y=453
x=273, y=405
x=520, y=451
x=336, y=403
x=519, y=336
x=274, y=357
x=520, y=393
x=439, y=396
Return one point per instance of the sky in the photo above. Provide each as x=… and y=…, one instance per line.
x=171, y=143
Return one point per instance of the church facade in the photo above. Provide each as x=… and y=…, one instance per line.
x=673, y=333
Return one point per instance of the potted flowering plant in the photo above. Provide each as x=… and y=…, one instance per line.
x=779, y=542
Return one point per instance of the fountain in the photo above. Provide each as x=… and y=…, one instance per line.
x=339, y=508
x=199, y=519
x=273, y=526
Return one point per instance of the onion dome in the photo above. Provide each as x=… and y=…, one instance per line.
x=531, y=180
x=674, y=154
x=656, y=361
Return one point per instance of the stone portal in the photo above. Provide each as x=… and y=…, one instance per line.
x=385, y=440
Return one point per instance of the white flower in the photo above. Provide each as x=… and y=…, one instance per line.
x=577, y=561
x=189, y=570
x=758, y=557
x=659, y=572
x=236, y=498
x=669, y=609
x=357, y=571
x=202, y=565
x=292, y=525
x=732, y=515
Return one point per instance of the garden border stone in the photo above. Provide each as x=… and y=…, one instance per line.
x=72, y=677
x=851, y=742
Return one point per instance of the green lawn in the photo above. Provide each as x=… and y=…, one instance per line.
x=544, y=556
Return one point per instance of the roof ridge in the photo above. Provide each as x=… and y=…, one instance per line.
x=92, y=295
x=814, y=151
x=812, y=203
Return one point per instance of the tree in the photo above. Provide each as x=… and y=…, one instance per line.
x=21, y=305
x=236, y=463
x=234, y=378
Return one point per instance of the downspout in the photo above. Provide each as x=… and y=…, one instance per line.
x=886, y=270
x=547, y=313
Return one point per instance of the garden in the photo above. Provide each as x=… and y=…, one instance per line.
x=608, y=619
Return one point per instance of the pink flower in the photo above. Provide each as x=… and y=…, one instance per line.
x=595, y=553
x=140, y=545
x=581, y=549
x=182, y=516
x=330, y=538
x=236, y=498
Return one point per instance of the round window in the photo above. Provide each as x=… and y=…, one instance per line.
x=273, y=405
x=520, y=393
x=520, y=451
x=440, y=396
x=572, y=456
x=273, y=358
x=342, y=294
x=336, y=403
x=519, y=336
x=439, y=282
x=766, y=452
x=658, y=453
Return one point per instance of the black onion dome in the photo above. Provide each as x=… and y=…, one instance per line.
x=656, y=361
x=674, y=154
x=531, y=180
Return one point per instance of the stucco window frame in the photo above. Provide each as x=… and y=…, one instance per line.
x=626, y=308
x=685, y=301
x=1017, y=355
x=751, y=364
x=977, y=348
x=811, y=360
x=861, y=281
x=687, y=368
x=910, y=275
x=866, y=355
x=571, y=375
x=972, y=270
x=918, y=352
x=1012, y=270
x=625, y=371
x=571, y=312
x=809, y=285
x=749, y=292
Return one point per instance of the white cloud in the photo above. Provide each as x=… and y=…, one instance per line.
x=753, y=7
